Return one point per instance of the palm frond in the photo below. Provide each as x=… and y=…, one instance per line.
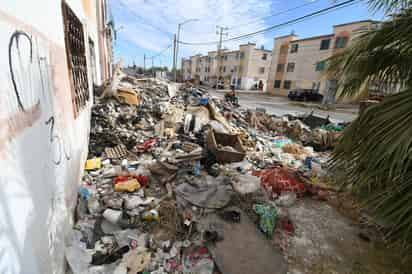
x=376, y=154
x=389, y=5
x=378, y=56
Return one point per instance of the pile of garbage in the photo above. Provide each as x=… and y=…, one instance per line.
x=170, y=173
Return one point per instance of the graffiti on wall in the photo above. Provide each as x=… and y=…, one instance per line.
x=35, y=147
x=30, y=77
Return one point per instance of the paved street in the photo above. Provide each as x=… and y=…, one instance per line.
x=281, y=106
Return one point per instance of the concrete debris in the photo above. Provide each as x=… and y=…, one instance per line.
x=162, y=159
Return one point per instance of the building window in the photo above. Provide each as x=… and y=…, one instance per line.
x=261, y=70
x=277, y=83
x=284, y=49
x=205, y=69
x=320, y=66
x=242, y=55
x=316, y=86
x=287, y=84
x=92, y=57
x=294, y=48
x=225, y=57
x=324, y=44
x=237, y=55
x=291, y=67
x=76, y=58
x=224, y=69
x=264, y=56
x=280, y=68
x=341, y=42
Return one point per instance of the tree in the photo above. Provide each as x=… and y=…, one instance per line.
x=375, y=151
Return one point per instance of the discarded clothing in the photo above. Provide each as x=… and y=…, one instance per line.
x=280, y=179
x=212, y=193
x=268, y=215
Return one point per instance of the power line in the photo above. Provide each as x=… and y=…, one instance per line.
x=275, y=14
x=293, y=21
x=143, y=19
x=160, y=52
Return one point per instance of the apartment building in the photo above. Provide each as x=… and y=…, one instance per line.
x=300, y=63
x=244, y=68
x=52, y=53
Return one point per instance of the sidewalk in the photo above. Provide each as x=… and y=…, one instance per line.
x=241, y=91
x=351, y=108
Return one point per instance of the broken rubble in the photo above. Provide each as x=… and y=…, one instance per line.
x=159, y=166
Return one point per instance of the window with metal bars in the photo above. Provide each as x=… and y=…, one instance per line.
x=76, y=59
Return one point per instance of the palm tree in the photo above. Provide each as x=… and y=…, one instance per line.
x=375, y=151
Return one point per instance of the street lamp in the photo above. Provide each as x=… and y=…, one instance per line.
x=179, y=26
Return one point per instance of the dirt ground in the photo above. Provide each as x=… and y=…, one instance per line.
x=326, y=242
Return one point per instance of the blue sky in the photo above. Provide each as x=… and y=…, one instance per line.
x=147, y=26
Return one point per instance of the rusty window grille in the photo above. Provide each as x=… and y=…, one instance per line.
x=76, y=59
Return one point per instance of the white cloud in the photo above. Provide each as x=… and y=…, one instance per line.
x=148, y=23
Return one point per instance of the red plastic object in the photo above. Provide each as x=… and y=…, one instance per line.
x=143, y=180
x=120, y=179
x=146, y=145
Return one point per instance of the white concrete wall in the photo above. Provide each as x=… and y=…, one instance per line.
x=186, y=67
x=213, y=67
x=42, y=145
x=256, y=62
x=203, y=64
x=250, y=64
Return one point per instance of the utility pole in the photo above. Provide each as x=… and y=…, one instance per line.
x=220, y=31
x=174, y=57
x=144, y=64
x=176, y=45
x=177, y=49
x=153, y=72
